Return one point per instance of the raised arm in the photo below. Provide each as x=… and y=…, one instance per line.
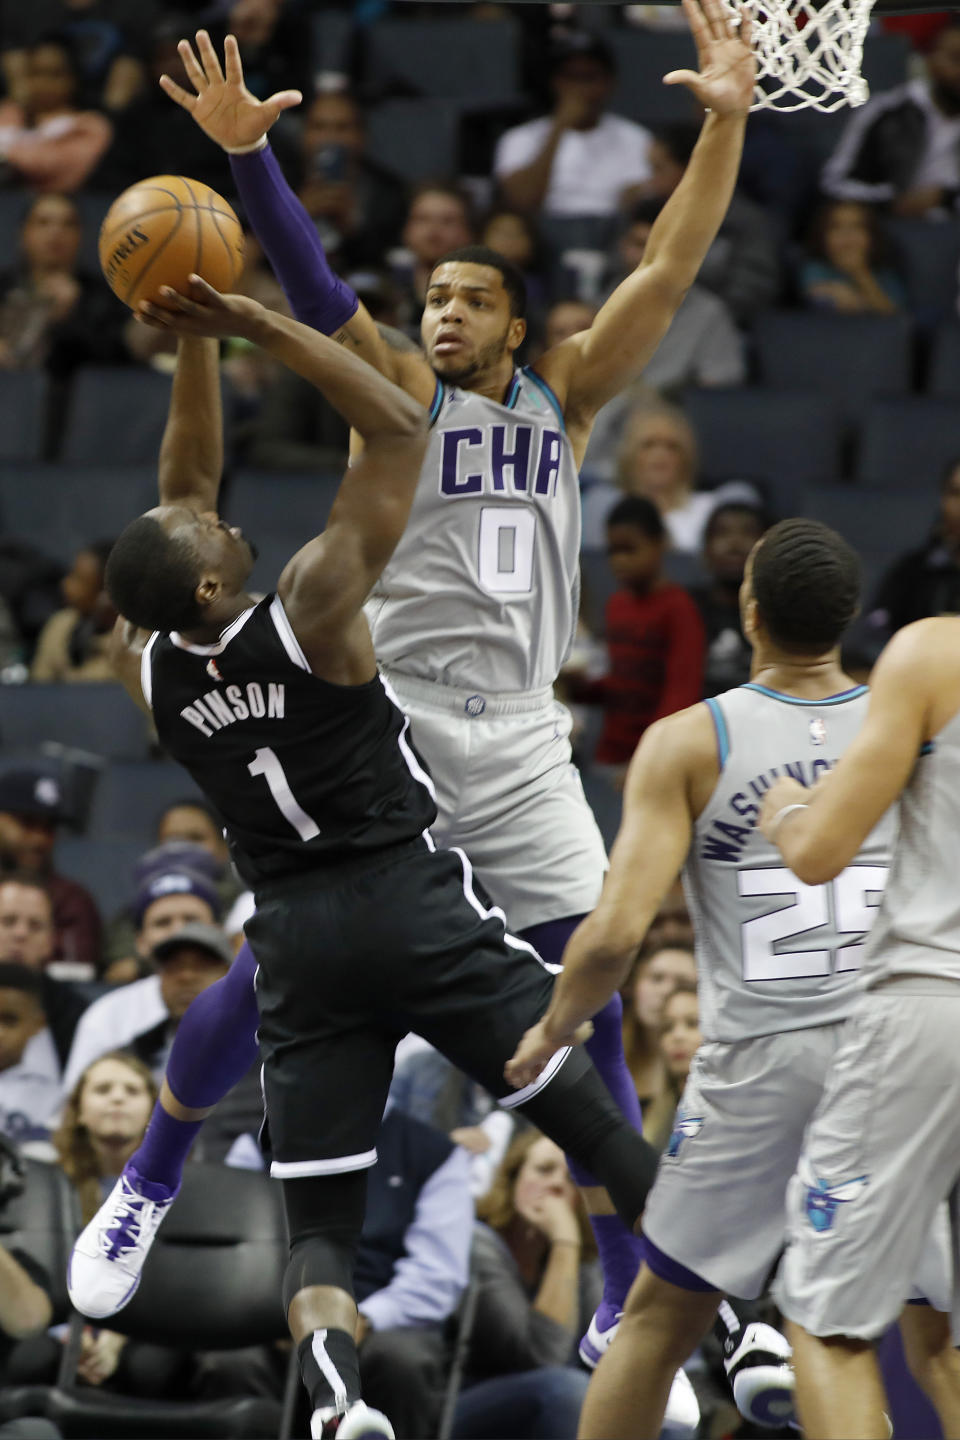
x=191, y=452
x=819, y=831
x=238, y=122
x=589, y=369
x=651, y=846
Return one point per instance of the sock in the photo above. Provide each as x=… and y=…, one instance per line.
x=214, y=1047
x=619, y=1249
x=330, y=1368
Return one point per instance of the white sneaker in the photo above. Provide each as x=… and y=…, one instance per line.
x=358, y=1422
x=682, y=1414
x=108, y=1258
x=761, y=1375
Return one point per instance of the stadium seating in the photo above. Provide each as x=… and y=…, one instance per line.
x=783, y=438
x=443, y=59
x=23, y=400
x=849, y=357
x=879, y=525
x=96, y=717
x=116, y=414
x=643, y=58
x=130, y=796
x=416, y=139
x=929, y=256
x=906, y=443
x=943, y=378
x=60, y=508
x=279, y=513
x=104, y=867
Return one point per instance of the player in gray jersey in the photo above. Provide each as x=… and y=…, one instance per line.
x=778, y=961
x=475, y=617
x=883, y=1150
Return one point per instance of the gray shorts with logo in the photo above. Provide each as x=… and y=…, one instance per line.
x=509, y=794
x=882, y=1155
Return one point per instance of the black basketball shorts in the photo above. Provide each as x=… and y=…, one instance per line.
x=349, y=963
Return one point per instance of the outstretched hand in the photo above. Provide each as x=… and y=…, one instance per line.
x=726, y=75
x=223, y=106
x=203, y=311
x=535, y=1050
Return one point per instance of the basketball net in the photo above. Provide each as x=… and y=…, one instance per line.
x=808, y=56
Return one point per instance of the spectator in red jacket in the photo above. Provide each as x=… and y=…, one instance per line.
x=655, y=636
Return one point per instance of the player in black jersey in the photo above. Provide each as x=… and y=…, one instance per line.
x=363, y=929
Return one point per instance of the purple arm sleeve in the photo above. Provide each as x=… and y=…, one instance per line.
x=317, y=296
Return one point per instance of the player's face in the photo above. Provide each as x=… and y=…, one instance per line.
x=50, y=238
x=950, y=507
x=168, y=915
x=115, y=1103
x=467, y=328
x=186, y=974
x=747, y=606
x=543, y=1172
x=635, y=559
x=656, y=978
x=731, y=537
x=680, y=1034
x=26, y=925
x=20, y=1019
x=223, y=552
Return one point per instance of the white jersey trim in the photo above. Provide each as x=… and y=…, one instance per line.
x=495, y=913
x=232, y=630
x=510, y=1102
x=413, y=764
x=292, y=1169
x=146, y=669
x=288, y=639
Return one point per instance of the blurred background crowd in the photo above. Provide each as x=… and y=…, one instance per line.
x=813, y=369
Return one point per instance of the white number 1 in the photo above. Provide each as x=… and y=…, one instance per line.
x=265, y=763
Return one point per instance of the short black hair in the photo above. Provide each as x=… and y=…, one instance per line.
x=513, y=281
x=806, y=582
x=152, y=578
x=14, y=976
x=641, y=514
x=737, y=507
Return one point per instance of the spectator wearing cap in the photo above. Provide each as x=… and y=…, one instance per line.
x=143, y=1017
x=29, y=1064
x=578, y=160
x=32, y=805
x=176, y=886
x=28, y=938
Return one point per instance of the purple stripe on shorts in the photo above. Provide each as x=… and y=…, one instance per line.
x=671, y=1270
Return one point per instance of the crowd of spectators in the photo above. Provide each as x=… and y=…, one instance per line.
x=92, y=986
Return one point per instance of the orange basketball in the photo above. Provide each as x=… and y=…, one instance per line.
x=163, y=230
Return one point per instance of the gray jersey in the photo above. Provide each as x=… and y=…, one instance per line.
x=774, y=954
x=918, y=927
x=483, y=590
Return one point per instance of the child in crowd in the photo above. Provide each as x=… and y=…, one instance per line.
x=655, y=637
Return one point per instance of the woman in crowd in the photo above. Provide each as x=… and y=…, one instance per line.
x=538, y=1289
x=45, y=140
x=656, y=973
x=846, y=269
x=74, y=644
x=680, y=1040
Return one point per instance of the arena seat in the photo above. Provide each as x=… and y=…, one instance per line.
x=905, y=444
x=943, y=378
x=23, y=401
x=93, y=205
x=98, y=717
x=279, y=513
x=929, y=256
x=213, y=1283
x=130, y=796
x=60, y=508
x=879, y=525
x=115, y=413
x=784, y=438
x=332, y=36
x=43, y=1222
x=443, y=58
x=643, y=58
x=850, y=357
x=104, y=867
x=415, y=139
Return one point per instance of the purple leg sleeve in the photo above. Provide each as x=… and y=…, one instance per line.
x=620, y=1251
x=216, y=1041
x=317, y=296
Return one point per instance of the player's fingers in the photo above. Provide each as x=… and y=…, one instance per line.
x=192, y=66
x=153, y=315
x=171, y=88
x=696, y=19
x=231, y=61
x=682, y=77
x=209, y=58
x=746, y=25
x=718, y=18
x=283, y=100
x=204, y=293
x=180, y=303
x=583, y=1033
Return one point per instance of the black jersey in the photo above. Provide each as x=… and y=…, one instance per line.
x=306, y=774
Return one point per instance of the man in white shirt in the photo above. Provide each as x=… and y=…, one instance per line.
x=578, y=160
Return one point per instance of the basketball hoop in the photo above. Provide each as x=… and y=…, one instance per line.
x=808, y=55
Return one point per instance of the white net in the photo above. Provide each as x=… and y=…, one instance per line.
x=808, y=56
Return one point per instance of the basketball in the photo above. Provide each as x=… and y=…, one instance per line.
x=162, y=230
